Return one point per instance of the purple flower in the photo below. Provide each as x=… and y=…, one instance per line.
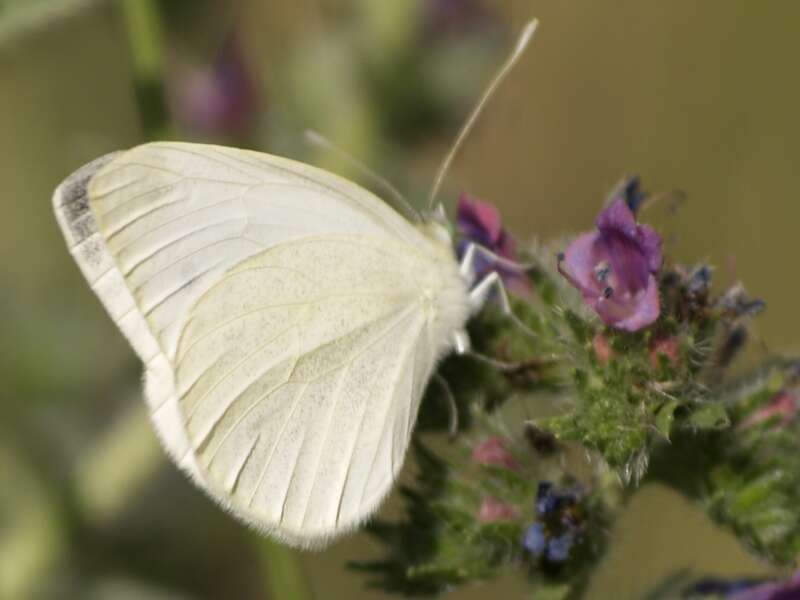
x=780, y=590
x=746, y=589
x=219, y=99
x=614, y=268
x=448, y=16
x=479, y=222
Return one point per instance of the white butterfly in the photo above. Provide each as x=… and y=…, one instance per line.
x=288, y=321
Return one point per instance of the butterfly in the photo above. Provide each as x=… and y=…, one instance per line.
x=288, y=321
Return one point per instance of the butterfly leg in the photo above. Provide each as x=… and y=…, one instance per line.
x=473, y=250
x=451, y=403
x=480, y=293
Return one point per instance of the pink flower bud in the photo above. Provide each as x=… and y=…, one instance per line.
x=494, y=452
x=782, y=409
x=493, y=510
x=602, y=349
x=665, y=346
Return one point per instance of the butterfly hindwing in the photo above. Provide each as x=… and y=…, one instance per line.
x=303, y=422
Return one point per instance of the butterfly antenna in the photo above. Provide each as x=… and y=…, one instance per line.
x=317, y=139
x=519, y=48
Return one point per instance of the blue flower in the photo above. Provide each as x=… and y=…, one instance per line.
x=559, y=525
x=534, y=539
x=630, y=190
x=558, y=548
x=549, y=500
x=545, y=500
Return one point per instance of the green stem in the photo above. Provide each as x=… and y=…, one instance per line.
x=285, y=578
x=142, y=20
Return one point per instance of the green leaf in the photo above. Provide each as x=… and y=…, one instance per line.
x=709, y=416
x=665, y=417
x=758, y=491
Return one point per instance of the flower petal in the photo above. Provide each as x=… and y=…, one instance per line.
x=650, y=242
x=534, y=540
x=579, y=262
x=614, y=268
x=617, y=217
x=479, y=221
x=629, y=266
x=646, y=311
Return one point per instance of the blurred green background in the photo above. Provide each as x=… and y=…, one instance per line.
x=700, y=97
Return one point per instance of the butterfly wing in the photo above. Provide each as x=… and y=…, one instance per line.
x=304, y=421
x=278, y=311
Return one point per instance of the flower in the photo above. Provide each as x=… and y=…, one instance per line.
x=558, y=526
x=219, y=99
x=534, y=539
x=699, y=280
x=736, y=303
x=451, y=16
x=551, y=501
x=479, y=222
x=614, y=268
x=747, y=589
x=782, y=409
x=731, y=345
x=493, y=510
x=602, y=349
x=558, y=547
x=665, y=346
x=494, y=452
x=630, y=190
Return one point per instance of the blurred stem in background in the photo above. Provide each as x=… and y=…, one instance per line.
x=102, y=490
x=285, y=579
x=118, y=465
x=145, y=36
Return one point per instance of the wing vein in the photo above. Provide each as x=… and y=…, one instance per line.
x=181, y=287
x=163, y=224
x=128, y=200
x=403, y=365
x=295, y=401
x=177, y=240
x=230, y=371
x=254, y=311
